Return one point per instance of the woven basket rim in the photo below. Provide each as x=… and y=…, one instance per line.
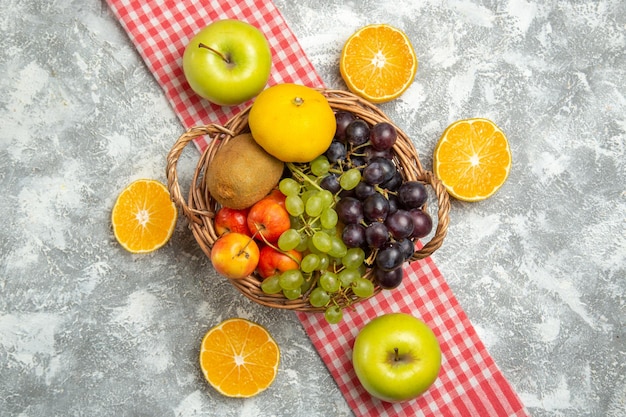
x=199, y=208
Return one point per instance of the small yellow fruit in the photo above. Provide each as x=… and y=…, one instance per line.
x=292, y=122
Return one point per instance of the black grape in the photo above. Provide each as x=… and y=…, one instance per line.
x=388, y=167
x=371, y=153
x=376, y=235
x=394, y=183
x=331, y=183
x=388, y=279
x=376, y=207
x=422, y=223
x=412, y=194
x=389, y=258
x=400, y=224
x=407, y=247
x=353, y=235
x=349, y=210
x=357, y=132
x=336, y=151
x=363, y=190
x=383, y=136
x=374, y=173
x=343, y=119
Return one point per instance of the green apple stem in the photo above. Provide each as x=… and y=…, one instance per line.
x=221, y=55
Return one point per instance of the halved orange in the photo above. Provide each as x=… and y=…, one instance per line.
x=472, y=159
x=144, y=216
x=239, y=358
x=378, y=63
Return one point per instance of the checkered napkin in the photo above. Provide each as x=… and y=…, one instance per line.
x=469, y=383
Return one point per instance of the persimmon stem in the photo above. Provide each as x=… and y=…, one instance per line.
x=221, y=55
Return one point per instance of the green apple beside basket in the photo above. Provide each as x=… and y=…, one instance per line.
x=199, y=208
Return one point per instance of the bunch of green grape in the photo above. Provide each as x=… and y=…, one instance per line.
x=330, y=273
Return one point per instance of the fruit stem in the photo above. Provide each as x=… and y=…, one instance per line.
x=221, y=55
x=276, y=248
x=243, y=248
x=298, y=172
x=298, y=101
x=397, y=354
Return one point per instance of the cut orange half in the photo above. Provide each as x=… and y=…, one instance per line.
x=239, y=358
x=378, y=63
x=144, y=216
x=472, y=159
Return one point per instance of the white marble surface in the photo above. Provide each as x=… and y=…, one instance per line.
x=87, y=329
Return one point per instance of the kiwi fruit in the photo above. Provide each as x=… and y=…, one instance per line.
x=242, y=172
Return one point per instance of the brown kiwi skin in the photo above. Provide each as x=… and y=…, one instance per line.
x=242, y=173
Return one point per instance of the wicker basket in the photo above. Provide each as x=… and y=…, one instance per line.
x=199, y=208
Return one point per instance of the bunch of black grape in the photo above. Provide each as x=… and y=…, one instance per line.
x=381, y=212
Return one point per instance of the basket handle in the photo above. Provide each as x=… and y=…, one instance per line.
x=173, y=156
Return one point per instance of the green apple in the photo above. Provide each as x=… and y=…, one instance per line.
x=396, y=357
x=228, y=62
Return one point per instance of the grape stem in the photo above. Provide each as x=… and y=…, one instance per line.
x=370, y=259
x=302, y=176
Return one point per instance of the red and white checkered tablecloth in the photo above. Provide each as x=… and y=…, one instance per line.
x=469, y=383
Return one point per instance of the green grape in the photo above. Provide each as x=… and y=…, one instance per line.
x=289, y=186
x=294, y=205
x=329, y=218
x=337, y=248
x=320, y=165
x=329, y=281
x=324, y=263
x=270, y=285
x=327, y=198
x=308, y=194
x=319, y=297
x=362, y=287
x=322, y=241
x=304, y=243
x=350, y=179
x=306, y=285
x=291, y=279
x=347, y=276
x=290, y=239
x=309, y=262
x=353, y=258
x=333, y=314
x=311, y=184
x=313, y=205
x=292, y=294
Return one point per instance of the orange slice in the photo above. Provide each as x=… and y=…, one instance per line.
x=472, y=159
x=378, y=63
x=239, y=358
x=143, y=216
